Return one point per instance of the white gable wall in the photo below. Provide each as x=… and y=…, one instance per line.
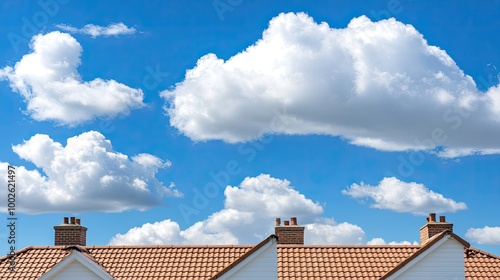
x=258, y=266
x=264, y=266
x=444, y=262
x=75, y=270
x=76, y=266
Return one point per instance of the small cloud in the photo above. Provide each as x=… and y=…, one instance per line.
x=93, y=30
x=399, y=196
x=381, y=241
x=486, y=235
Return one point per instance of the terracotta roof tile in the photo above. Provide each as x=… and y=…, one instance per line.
x=202, y=262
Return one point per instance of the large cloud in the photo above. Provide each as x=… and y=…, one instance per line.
x=50, y=84
x=485, y=235
x=248, y=217
x=400, y=196
x=376, y=84
x=85, y=175
x=93, y=30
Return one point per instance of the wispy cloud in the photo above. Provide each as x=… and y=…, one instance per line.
x=400, y=196
x=93, y=30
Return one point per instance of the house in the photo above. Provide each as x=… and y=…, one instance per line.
x=440, y=255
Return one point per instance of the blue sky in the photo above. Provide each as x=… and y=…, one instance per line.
x=193, y=122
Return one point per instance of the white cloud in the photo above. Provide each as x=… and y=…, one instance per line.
x=93, y=30
x=248, y=217
x=376, y=84
x=400, y=196
x=376, y=241
x=381, y=241
x=48, y=80
x=486, y=235
x=327, y=231
x=85, y=175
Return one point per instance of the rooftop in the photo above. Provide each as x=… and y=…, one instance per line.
x=203, y=262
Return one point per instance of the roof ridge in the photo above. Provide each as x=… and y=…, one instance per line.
x=164, y=246
x=351, y=246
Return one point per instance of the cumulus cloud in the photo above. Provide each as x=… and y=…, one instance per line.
x=375, y=84
x=85, y=175
x=248, y=217
x=486, y=235
x=400, y=196
x=93, y=30
x=48, y=80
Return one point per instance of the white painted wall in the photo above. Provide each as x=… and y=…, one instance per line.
x=263, y=267
x=445, y=262
x=75, y=271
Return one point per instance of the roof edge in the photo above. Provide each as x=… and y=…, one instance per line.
x=435, y=239
x=484, y=252
x=244, y=256
x=20, y=251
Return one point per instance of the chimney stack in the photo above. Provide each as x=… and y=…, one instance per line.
x=70, y=232
x=432, y=227
x=290, y=232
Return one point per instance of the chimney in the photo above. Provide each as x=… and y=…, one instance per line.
x=70, y=232
x=290, y=232
x=432, y=227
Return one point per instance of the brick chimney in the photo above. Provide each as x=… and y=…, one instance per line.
x=290, y=232
x=70, y=232
x=432, y=227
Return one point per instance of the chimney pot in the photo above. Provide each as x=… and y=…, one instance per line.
x=289, y=234
x=432, y=217
x=71, y=233
x=431, y=228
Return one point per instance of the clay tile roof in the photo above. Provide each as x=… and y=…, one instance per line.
x=340, y=262
x=131, y=262
x=481, y=265
x=32, y=262
x=365, y=262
